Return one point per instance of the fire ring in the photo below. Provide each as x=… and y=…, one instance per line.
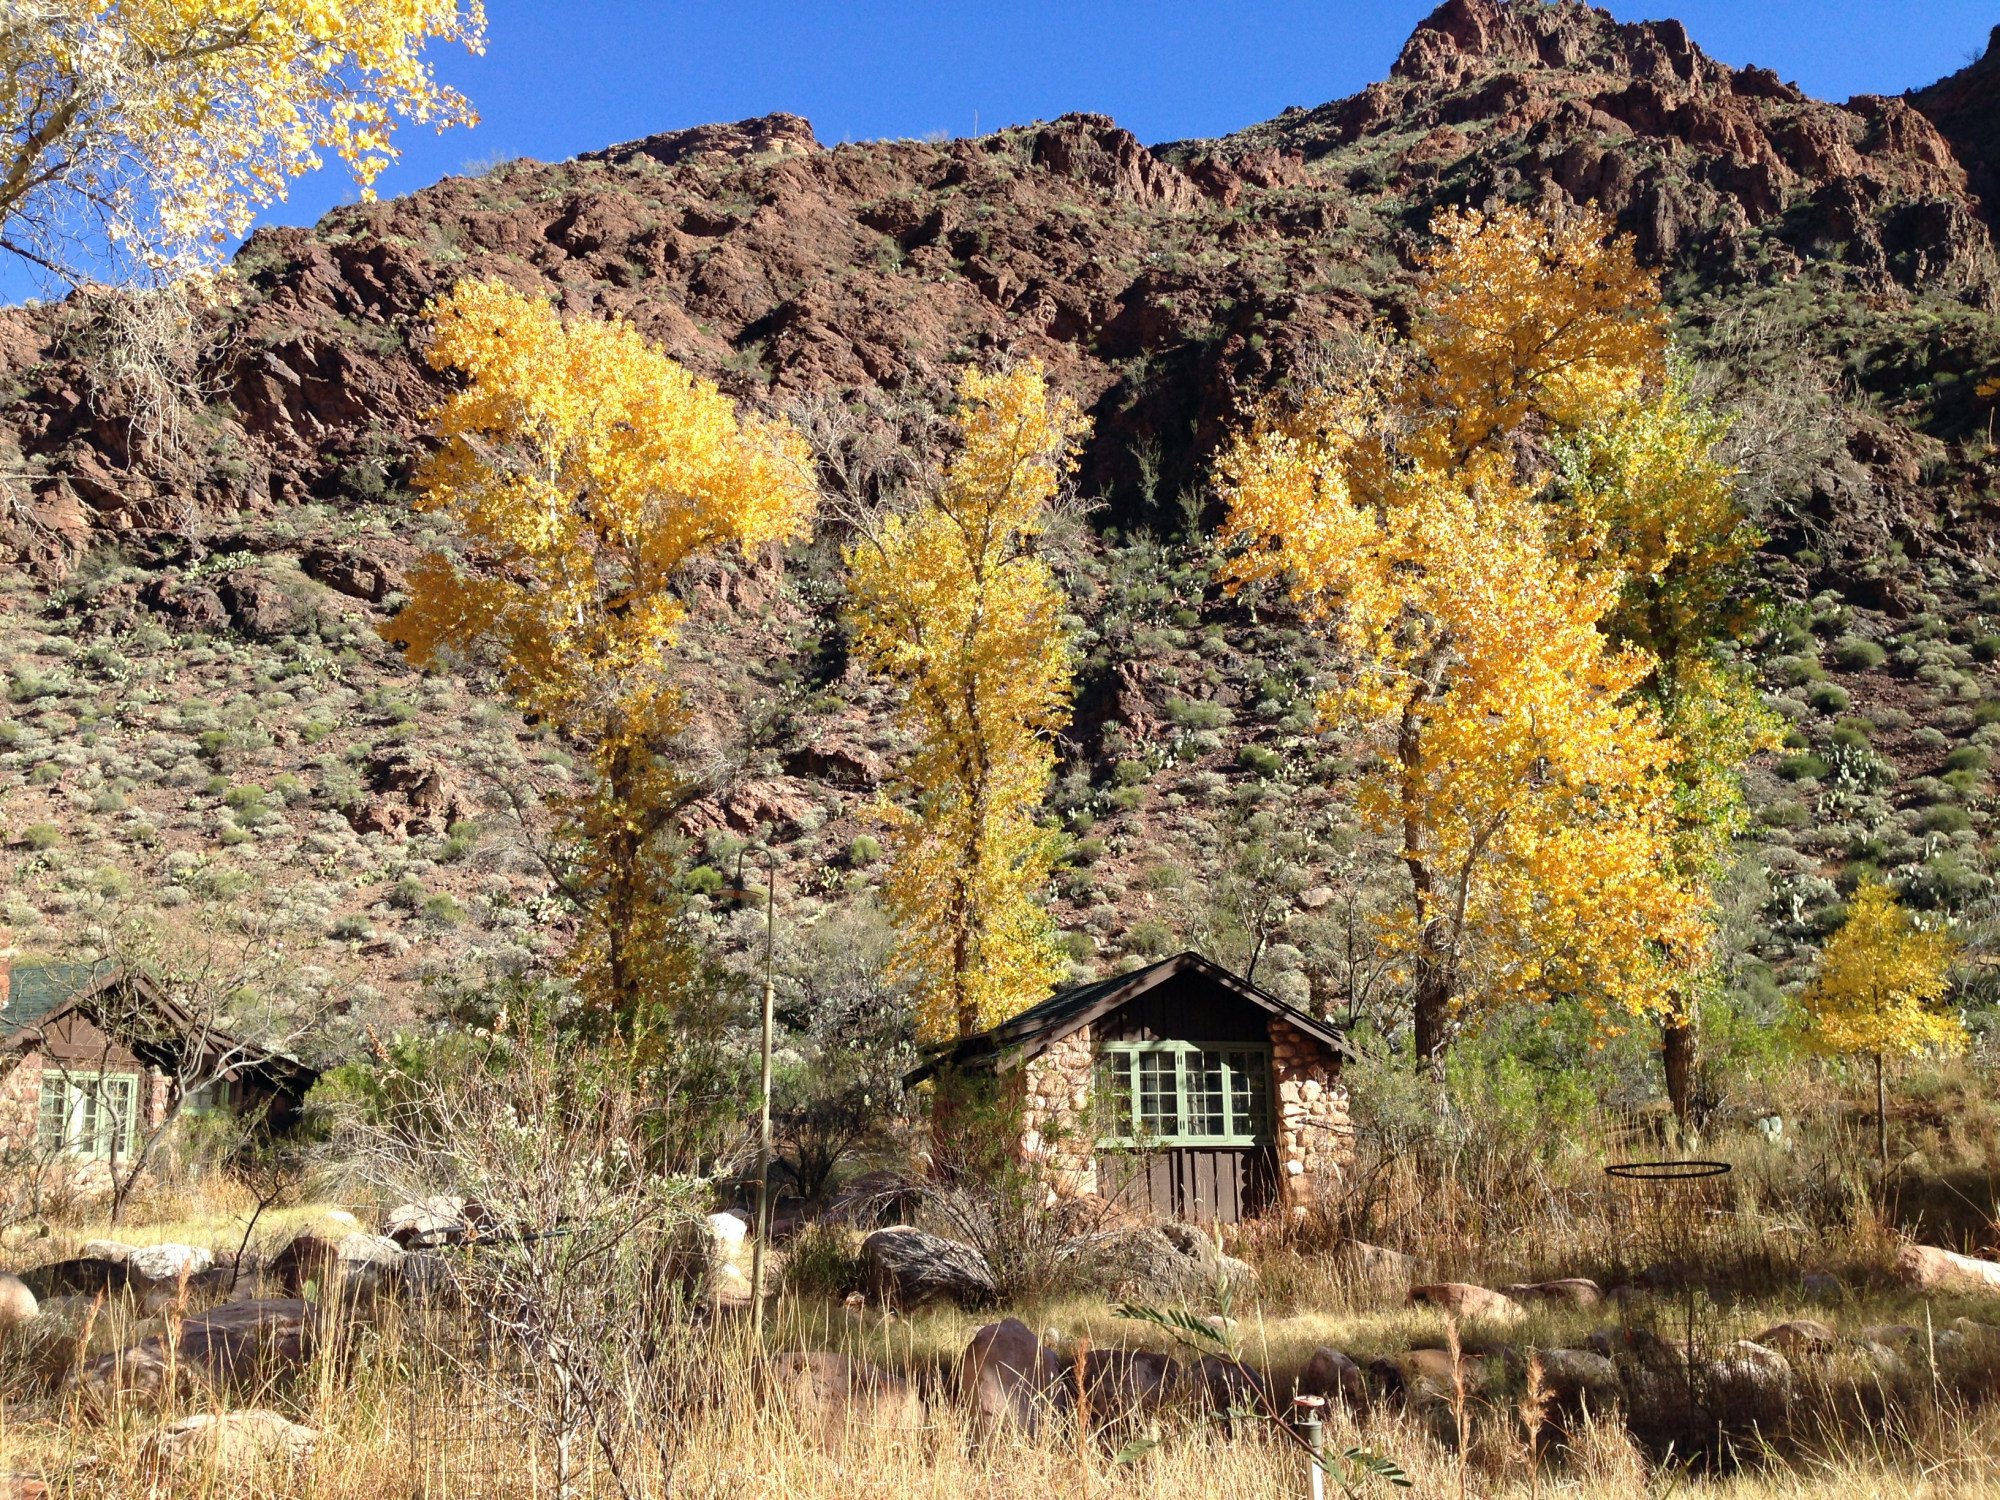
x=1666, y=1171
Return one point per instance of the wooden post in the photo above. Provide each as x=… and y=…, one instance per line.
x=764, y=1123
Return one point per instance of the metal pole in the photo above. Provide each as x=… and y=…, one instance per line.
x=764, y=1124
x=1311, y=1430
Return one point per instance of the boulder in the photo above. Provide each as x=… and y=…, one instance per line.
x=1375, y=1268
x=1579, y=1376
x=241, y=1344
x=1231, y=1389
x=82, y=1276
x=907, y=1267
x=1930, y=1269
x=1746, y=1374
x=1006, y=1378
x=1799, y=1336
x=1158, y=1263
x=17, y=1304
x=1460, y=1299
x=256, y=604
x=1567, y=1291
x=1428, y=1374
x=167, y=1264
x=231, y=1442
x=1334, y=1378
x=430, y=1222
x=372, y=573
x=1122, y=1384
x=836, y=1395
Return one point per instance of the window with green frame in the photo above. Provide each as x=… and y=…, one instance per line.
x=1183, y=1094
x=87, y=1114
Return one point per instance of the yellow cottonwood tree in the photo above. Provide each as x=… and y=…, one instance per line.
x=581, y=468
x=163, y=125
x=953, y=601
x=1520, y=763
x=1876, y=991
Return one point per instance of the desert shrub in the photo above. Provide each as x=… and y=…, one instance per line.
x=1849, y=736
x=1828, y=698
x=1150, y=936
x=443, y=910
x=1944, y=881
x=1259, y=761
x=702, y=880
x=1944, y=818
x=408, y=894
x=1130, y=772
x=1807, y=767
x=824, y=1261
x=1854, y=654
x=40, y=836
x=1190, y=713
x=864, y=850
x=1967, y=758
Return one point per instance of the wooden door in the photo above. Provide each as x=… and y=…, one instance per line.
x=1195, y=1184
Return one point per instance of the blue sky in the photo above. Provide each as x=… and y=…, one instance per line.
x=561, y=78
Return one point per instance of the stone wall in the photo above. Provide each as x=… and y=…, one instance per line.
x=20, y=1100
x=1058, y=1143
x=1315, y=1135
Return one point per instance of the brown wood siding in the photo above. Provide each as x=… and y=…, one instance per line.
x=1185, y=1009
x=1198, y=1184
x=71, y=1040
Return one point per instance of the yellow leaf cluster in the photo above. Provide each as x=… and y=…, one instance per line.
x=581, y=469
x=176, y=119
x=1504, y=619
x=953, y=601
x=1879, y=980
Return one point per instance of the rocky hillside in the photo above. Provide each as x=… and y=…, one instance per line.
x=200, y=710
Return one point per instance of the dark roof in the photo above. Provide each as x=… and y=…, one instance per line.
x=36, y=991
x=1021, y=1037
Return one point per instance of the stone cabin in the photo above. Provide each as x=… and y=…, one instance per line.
x=91, y=1056
x=1180, y=1089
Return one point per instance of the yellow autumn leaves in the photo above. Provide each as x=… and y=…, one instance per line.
x=581, y=469
x=1513, y=522
x=1501, y=624
x=952, y=601
x=168, y=123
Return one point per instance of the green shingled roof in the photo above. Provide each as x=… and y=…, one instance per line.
x=35, y=990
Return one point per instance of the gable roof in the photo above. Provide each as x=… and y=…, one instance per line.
x=1021, y=1037
x=39, y=994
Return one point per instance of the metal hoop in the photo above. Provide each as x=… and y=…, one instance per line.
x=1666, y=1171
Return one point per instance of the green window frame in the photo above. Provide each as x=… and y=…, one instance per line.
x=1183, y=1094
x=88, y=1114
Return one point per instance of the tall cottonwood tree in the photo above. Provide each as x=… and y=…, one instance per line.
x=152, y=130
x=581, y=469
x=953, y=601
x=1525, y=765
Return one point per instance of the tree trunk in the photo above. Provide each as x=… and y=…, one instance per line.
x=1881, y=1115
x=1677, y=1049
x=1431, y=1011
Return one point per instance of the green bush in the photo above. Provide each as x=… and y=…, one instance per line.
x=1944, y=818
x=443, y=910
x=1987, y=648
x=1130, y=772
x=702, y=880
x=864, y=850
x=1986, y=711
x=1190, y=713
x=1828, y=698
x=408, y=894
x=1259, y=761
x=10, y=734
x=1151, y=936
x=1802, y=768
x=40, y=836
x=1853, y=654
x=1850, y=736
x=1967, y=758
x=1086, y=851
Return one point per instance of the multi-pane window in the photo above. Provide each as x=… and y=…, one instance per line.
x=1183, y=1093
x=89, y=1114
